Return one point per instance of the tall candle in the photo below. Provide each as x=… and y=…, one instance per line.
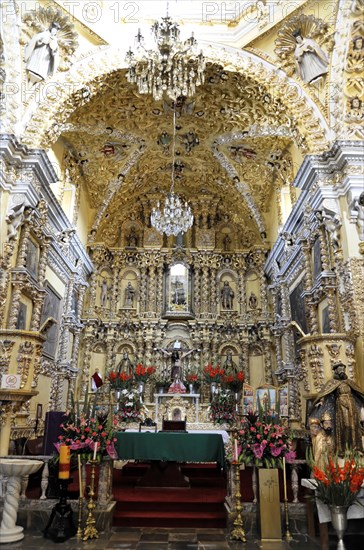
x=64, y=462
x=95, y=450
x=284, y=479
x=80, y=475
x=235, y=450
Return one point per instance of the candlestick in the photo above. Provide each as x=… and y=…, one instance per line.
x=235, y=450
x=288, y=535
x=95, y=450
x=90, y=531
x=284, y=479
x=80, y=475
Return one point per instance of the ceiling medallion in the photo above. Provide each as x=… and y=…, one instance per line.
x=173, y=69
x=175, y=218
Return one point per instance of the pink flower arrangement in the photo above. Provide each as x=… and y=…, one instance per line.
x=264, y=443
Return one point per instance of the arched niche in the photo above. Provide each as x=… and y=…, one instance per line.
x=252, y=289
x=131, y=234
x=227, y=291
x=98, y=361
x=104, y=288
x=256, y=365
x=178, y=290
x=229, y=357
x=123, y=361
x=128, y=289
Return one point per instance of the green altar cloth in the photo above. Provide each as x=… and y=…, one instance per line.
x=178, y=447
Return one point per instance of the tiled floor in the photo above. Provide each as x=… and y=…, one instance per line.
x=175, y=539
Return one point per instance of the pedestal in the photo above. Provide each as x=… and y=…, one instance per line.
x=14, y=469
x=269, y=505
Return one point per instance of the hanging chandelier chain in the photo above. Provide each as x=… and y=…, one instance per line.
x=173, y=148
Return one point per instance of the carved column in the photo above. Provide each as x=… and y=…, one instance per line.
x=267, y=362
x=204, y=289
x=143, y=289
x=244, y=360
x=152, y=280
x=197, y=291
x=213, y=293
x=242, y=292
x=15, y=301
x=307, y=284
x=159, y=290
x=332, y=309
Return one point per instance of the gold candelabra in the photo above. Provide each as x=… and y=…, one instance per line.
x=90, y=531
x=238, y=532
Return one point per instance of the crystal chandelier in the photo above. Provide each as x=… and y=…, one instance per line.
x=174, y=68
x=176, y=217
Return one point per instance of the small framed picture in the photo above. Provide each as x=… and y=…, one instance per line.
x=266, y=399
x=248, y=399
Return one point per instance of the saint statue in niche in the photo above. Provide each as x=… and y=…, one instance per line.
x=227, y=296
x=41, y=54
x=312, y=62
x=253, y=301
x=104, y=291
x=129, y=295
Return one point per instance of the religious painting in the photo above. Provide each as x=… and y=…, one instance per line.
x=178, y=289
x=283, y=401
x=21, y=321
x=31, y=259
x=266, y=399
x=248, y=399
x=298, y=310
x=317, y=265
x=51, y=308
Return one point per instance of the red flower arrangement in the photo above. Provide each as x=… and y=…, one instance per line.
x=191, y=378
x=339, y=485
x=213, y=374
x=234, y=382
x=142, y=374
x=120, y=380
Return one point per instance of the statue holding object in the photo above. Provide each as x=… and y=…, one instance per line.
x=343, y=399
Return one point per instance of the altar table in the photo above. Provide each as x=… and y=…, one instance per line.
x=175, y=447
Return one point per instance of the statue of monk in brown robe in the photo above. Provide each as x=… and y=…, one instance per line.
x=348, y=398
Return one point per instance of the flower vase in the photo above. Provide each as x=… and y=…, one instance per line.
x=117, y=399
x=213, y=388
x=237, y=401
x=141, y=390
x=190, y=387
x=339, y=520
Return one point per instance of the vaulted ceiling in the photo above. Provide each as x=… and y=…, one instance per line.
x=232, y=152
